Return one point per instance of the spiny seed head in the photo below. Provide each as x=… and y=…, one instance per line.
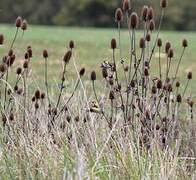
x=37, y=94
x=11, y=117
x=1, y=39
x=179, y=98
x=20, y=90
x=82, y=71
x=132, y=84
x=18, y=70
x=159, y=84
x=144, y=13
x=150, y=14
x=104, y=73
x=36, y=105
x=24, y=25
x=134, y=20
x=15, y=88
x=169, y=87
x=119, y=15
x=151, y=25
x=43, y=95
x=146, y=73
x=177, y=84
x=3, y=68
x=33, y=99
x=11, y=52
x=111, y=95
x=189, y=75
x=113, y=44
x=184, y=43
x=77, y=119
x=67, y=57
x=163, y=3
x=54, y=111
x=30, y=52
x=126, y=68
x=170, y=53
x=126, y=5
x=26, y=56
x=148, y=37
x=159, y=42
x=18, y=22
x=167, y=47
x=154, y=89
x=45, y=53
x=26, y=64
x=71, y=44
x=93, y=76
x=142, y=43
x=191, y=103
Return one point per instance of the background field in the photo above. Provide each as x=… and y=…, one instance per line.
x=92, y=48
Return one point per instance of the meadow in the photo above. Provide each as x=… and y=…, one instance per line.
x=92, y=108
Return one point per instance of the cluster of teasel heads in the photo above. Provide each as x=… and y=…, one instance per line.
x=151, y=104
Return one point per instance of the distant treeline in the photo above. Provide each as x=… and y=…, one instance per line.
x=180, y=15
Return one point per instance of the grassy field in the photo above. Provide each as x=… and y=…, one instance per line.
x=92, y=47
x=84, y=142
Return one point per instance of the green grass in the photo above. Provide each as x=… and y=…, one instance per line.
x=92, y=47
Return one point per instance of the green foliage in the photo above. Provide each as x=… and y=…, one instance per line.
x=91, y=12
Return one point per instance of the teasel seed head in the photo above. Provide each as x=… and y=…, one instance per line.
x=151, y=25
x=37, y=94
x=67, y=57
x=159, y=42
x=111, y=95
x=26, y=56
x=163, y=3
x=71, y=44
x=142, y=43
x=36, y=105
x=159, y=84
x=45, y=53
x=144, y=13
x=77, y=119
x=54, y=111
x=11, y=52
x=3, y=68
x=33, y=99
x=20, y=90
x=190, y=103
x=148, y=37
x=150, y=14
x=11, y=117
x=126, y=5
x=104, y=73
x=177, y=84
x=134, y=20
x=18, y=70
x=43, y=95
x=179, y=98
x=154, y=89
x=29, y=51
x=24, y=25
x=170, y=53
x=167, y=47
x=1, y=39
x=184, y=43
x=82, y=72
x=93, y=76
x=25, y=64
x=189, y=75
x=113, y=44
x=18, y=22
x=126, y=68
x=146, y=73
x=132, y=84
x=119, y=15
x=169, y=87
x=15, y=88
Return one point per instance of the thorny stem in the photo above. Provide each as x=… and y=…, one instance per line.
x=46, y=80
